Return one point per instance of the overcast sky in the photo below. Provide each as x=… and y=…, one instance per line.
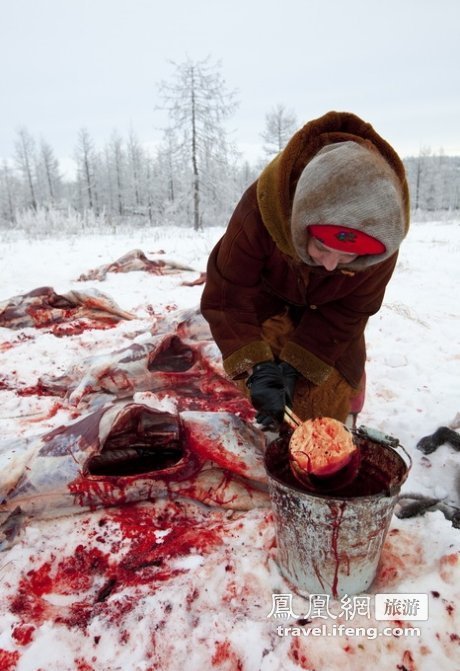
x=68, y=64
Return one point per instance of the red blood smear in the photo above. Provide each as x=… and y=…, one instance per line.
x=77, y=326
x=51, y=413
x=94, y=578
x=70, y=575
x=337, y=512
x=39, y=581
x=208, y=391
x=76, y=573
x=42, y=317
x=28, y=603
x=22, y=337
x=193, y=381
x=298, y=656
x=82, y=665
x=8, y=660
x=35, y=390
x=199, y=443
x=221, y=494
x=23, y=634
x=186, y=537
x=224, y=653
x=93, y=493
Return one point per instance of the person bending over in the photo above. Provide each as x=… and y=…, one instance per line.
x=303, y=264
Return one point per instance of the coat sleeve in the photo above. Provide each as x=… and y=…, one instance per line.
x=233, y=283
x=326, y=331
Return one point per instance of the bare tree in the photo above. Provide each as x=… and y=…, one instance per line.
x=6, y=192
x=48, y=172
x=85, y=157
x=25, y=160
x=117, y=156
x=280, y=124
x=434, y=181
x=135, y=163
x=198, y=104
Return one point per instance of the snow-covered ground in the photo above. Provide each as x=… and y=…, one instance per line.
x=67, y=599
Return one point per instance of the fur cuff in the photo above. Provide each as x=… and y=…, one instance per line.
x=306, y=363
x=246, y=357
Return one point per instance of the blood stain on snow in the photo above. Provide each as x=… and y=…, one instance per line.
x=148, y=541
x=450, y=608
x=185, y=536
x=9, y=344
x=225, y=657
x=407, y=663
x=4, y=385
x=78, y=326
x=51, y=413
x=8, y=660
x=298, y=656
x=70, y=575
x=82, y=665
x=34, y=390
x=402, y=556
x=449, y=568
x=75, y=573
x=23, y=634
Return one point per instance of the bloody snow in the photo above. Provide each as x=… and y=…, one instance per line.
x=172, y=583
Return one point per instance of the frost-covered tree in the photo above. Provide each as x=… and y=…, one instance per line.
x=280, y=124
x=198, y=103
x=169, y=183
x=117, y=170
x=136, y=167
x=434, y=181
x=85, y=157
x=48, y=176
x=25, y=161
x=8, y=189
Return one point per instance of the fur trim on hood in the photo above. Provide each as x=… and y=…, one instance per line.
x=365, y=170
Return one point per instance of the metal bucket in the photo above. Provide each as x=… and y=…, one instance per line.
x=330, y=543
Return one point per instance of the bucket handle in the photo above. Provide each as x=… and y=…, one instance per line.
x=384, y=439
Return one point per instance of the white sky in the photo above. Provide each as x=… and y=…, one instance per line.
x=68, y=64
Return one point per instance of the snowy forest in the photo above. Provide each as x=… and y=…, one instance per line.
x=193, y=178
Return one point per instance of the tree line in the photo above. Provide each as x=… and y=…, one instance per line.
x=195, y=177
x=434, y=181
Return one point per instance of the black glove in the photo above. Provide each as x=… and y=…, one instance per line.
x=290, y=375
x=271, y=387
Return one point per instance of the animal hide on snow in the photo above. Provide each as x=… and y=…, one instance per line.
x=43, y=307
x=134, y=260
x=130, y=451
x=190, y=434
